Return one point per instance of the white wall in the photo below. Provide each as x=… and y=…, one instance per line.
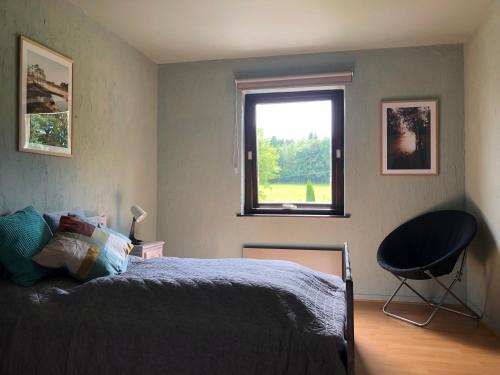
x=199, y=194
x=482, y=162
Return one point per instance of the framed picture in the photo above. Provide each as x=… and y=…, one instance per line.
x=45, y=100
x=410, y=137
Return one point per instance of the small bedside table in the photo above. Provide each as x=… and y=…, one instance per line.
x=148, y=250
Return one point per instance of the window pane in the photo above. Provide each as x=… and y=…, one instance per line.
x=294, y=152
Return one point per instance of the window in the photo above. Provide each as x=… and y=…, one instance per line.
x=294, y=153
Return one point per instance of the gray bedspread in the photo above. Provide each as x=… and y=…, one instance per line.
x=177, y=316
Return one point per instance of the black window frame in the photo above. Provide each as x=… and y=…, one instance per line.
x=251, y=204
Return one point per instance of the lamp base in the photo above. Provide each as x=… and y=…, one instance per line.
x=131, y=236
x=136, y=241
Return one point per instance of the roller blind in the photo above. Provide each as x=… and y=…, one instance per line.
x=325, y=79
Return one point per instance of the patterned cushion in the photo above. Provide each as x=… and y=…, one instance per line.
x=85, y=250
x=52, y=218
x=22, y=235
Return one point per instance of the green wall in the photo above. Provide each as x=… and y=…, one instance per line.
x=200, y=193
x=115, y=119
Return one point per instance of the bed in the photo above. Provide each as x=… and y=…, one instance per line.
x=182, y=316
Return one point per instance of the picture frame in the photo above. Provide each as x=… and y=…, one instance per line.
x=410, y=137
x=45, y=100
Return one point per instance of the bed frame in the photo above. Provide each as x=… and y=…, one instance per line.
x=335, y=261
x=349, y=296
x=345, y=267
x=100, y=219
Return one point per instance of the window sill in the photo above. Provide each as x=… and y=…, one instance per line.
x=344, y=216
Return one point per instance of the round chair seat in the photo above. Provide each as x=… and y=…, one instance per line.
x=428, y=243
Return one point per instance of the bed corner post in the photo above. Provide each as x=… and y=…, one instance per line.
x=350, y=310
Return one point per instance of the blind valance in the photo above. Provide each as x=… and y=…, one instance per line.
x=324, y=79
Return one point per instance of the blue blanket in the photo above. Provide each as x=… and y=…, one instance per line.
x=178, y=316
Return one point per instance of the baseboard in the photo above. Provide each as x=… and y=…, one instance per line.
x=493, y=325
x=383, y=298
x=403, y=298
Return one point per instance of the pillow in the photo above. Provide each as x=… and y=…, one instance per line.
x=85, y=250
x=52, y=218
x=89, y=220
x=22, y=235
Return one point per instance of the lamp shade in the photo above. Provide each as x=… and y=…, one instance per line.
x=139, y=213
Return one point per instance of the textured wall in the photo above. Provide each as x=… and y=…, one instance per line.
x=115, y=119
x=482, y=163
x=199, y=194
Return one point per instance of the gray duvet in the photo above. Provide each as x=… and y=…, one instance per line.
x=177, y=316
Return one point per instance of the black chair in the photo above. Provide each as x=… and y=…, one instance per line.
x=428, y=247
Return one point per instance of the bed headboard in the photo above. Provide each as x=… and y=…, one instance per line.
x=100, y=219
x=334, y=260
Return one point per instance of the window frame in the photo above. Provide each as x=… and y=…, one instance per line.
x=251, y=204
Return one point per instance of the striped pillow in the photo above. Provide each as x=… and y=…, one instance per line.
x=85, y=250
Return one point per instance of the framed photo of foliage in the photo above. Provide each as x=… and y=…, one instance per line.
x=410, y=137
x=45, y=100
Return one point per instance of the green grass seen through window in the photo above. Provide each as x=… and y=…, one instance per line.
x=294, y=193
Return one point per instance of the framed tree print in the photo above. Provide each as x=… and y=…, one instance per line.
x=45, y=100
x=410, y=137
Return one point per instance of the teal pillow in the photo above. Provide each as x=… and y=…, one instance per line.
x=22, y=235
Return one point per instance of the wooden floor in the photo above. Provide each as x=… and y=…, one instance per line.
x=451, y=344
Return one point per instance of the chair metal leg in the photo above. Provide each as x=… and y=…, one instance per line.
x=418, y=324
x=473, y=314
x=437, y=306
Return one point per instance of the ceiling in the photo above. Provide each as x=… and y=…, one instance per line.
x=192, y=30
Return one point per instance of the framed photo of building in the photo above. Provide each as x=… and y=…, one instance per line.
x=410, y=137
x=45, y=100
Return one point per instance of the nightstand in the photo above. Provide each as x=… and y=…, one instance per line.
x=148, y=250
